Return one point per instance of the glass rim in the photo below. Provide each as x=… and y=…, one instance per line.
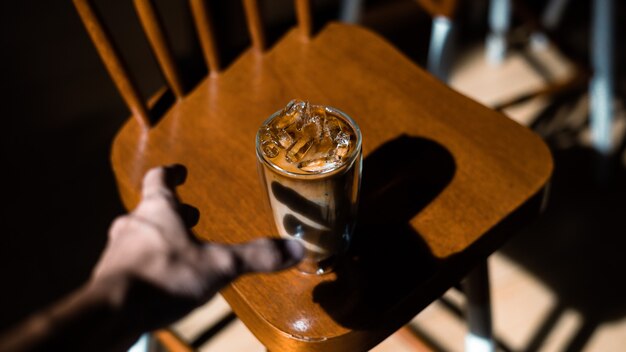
x=356, y=151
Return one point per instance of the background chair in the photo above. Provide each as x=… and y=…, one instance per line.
x=449, y=218
x=601, y=50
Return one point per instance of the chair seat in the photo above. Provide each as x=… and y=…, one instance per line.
x=443, y=178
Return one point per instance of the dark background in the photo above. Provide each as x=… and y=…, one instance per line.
x=62, y=112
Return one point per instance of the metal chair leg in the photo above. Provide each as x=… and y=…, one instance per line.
x=350, y=11
x=601, y=86
x=550, y=19
x=441, y=47
x=476, y=288
x=499, y=23
x=142, y=344
x=552, y=14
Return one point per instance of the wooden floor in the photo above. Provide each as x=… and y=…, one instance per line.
x=528, y=313
x=547, y=283
x=521, y=304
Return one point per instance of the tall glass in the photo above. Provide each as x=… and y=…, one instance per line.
x=312, y=186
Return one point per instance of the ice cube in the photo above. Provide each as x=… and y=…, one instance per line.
x=341, y=147
x=299, y=149
x=313, y=129
x=296, y=111
x=332, y=127
x=314, y=139
x=282, y=122
x=269, y=148
x=266, y=134
x=339, y=152
x=324, y=145
x=342, y=139
x=317, y=112
x=294, y=107
x=317, y=165
x=284, y=139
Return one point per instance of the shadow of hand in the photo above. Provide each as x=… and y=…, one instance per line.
x=388, y=260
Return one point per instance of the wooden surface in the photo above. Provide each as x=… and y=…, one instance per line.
x=204, y=28
x=305, y=21
x=255, y=24
x=171, y=342
x=153, y=28
x=444, y=180
x=445, y=8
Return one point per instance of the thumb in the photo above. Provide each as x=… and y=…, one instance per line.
x=263, y=255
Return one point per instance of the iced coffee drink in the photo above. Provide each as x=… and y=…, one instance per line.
x=310, y=165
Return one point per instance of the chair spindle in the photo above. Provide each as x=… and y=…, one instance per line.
x=153, y=28
x=113, y=61
x=255, y=25
x=204, y=28
x=305, y=21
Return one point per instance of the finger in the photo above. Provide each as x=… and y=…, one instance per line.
x=158, y=203
x=163, y=180
x=154, y=184
x=157, y=199
x=264, y=255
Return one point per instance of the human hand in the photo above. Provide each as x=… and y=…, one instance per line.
x=152, y=273
x=156, y=271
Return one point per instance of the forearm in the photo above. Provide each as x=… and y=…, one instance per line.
x=91, y=318
x=150, y=275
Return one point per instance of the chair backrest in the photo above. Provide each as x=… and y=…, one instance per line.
x=153, y=28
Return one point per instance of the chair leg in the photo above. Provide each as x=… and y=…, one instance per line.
x=550, y=19
x=601, y=85
x=476, y=288
x=351, y=11
x=552, y=14
x=441, y=47
x=142, y=344
x=170, y=341
x=499, y=23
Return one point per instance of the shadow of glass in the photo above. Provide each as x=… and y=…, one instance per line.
x=387, y=259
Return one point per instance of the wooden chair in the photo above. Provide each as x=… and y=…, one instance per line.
x=442, y=13
x=441, y=36
x=445, y=180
